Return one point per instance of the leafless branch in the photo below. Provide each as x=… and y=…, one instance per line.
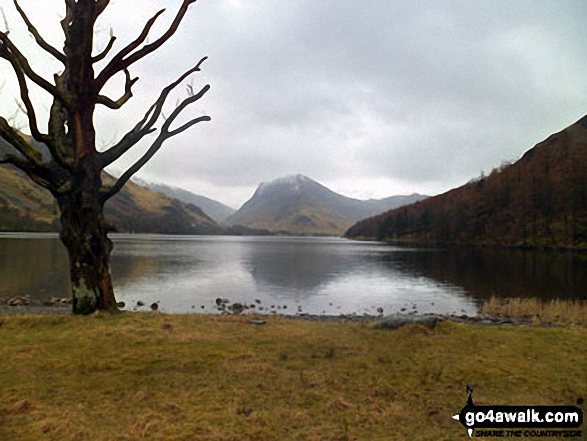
x=40, y=41
x=145, y=126
x=105, y=52
x=164, y=134
x=4, y=19
x=126, y=57
x=186, y=102
x=26, y=167
x=115, y=65
x=49, y=176
x=29, y=109
x=104, y=100
x=16, y=141
x=10, y=52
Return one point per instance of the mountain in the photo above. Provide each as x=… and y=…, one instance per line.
x=299, y=205
x=539, y=201
x=24, y=206
x=216, y=210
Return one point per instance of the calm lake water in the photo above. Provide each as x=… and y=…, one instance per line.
x=292, y=274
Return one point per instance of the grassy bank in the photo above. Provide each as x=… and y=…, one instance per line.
x=555, y=312
x=198, y=377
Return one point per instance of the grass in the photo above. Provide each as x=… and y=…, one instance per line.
x=555, y=312
x=152, y=376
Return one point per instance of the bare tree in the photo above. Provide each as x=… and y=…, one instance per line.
x=65, y=160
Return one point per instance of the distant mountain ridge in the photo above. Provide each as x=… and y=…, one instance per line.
x=24, y=206
x=538, y=201
x=216, y=210
x=299, y=205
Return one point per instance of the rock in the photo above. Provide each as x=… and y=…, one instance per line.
x=140, y=303
x=257, y=301
x=154, y=306
x=18, y=301
x=396, y=321
x=237, y=308
x=121, y=304
x=257, y=322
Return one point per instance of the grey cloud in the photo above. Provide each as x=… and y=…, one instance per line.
x=415, y=91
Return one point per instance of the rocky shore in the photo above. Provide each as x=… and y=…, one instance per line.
x=25, y=305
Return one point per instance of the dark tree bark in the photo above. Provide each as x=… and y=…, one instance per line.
x=73, y=172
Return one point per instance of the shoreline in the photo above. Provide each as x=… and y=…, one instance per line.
x=392, y=321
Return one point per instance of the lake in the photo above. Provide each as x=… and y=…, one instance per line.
x=288, y=275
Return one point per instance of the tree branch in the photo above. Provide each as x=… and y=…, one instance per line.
x=29, y=111
x=119, y=62
x=10, y=52
x=49, y=176
x=103, y=54
x=186, y=102
x=40, y=41
x=145, y=126
x=28, y=168
x=16, y=141
x=28, y=105
x=114, y=66
x=163, y=135
x=104, y=100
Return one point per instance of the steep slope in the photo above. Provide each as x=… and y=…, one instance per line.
x=299, y=205
x=24, y=206
x=540, y=200
x=216, y=210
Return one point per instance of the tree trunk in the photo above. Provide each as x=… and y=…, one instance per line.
x=84, y=233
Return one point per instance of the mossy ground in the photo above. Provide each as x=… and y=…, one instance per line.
x=198, y=377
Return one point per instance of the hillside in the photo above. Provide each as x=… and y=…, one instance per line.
x=299, y=205
x=540, y=200
x=216, y=210
x=24, y=206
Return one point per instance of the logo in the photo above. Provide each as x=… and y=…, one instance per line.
x=518, y=421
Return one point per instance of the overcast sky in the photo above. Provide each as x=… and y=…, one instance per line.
x=370, y=98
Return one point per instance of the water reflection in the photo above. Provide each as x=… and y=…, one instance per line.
x=316, y=275
x=486, y=272
x=34, y=265
x=297, y=266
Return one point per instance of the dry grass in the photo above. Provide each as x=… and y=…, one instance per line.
x=196, y=377
x=556, y=312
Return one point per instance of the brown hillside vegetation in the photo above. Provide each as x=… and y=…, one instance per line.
x=24, y=206
x=540, y=200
